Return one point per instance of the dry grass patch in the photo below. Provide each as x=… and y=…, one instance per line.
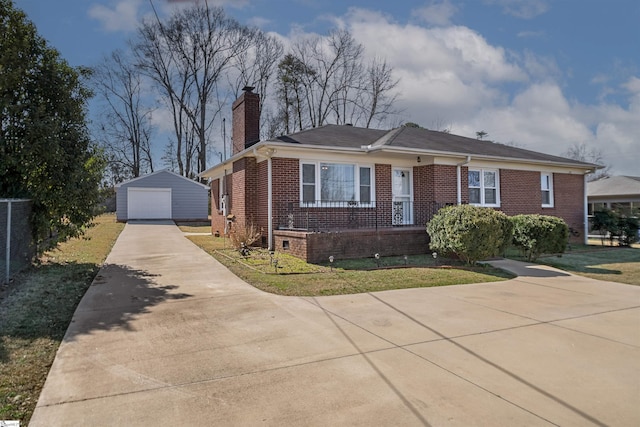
x=35, y=311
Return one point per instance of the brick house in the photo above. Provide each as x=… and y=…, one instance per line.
x=352, y=192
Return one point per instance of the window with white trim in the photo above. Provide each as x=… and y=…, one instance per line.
x=334, y=183
x=483, y=187
x=546, y=186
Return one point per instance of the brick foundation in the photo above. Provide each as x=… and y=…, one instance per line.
x=350, y=244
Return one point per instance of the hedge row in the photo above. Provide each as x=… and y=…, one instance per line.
x=473, y=233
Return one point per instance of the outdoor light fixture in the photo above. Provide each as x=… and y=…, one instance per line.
x=405, y=259
x=435, y=257
x=419, y=159
x=331, y=262
x=377, y=257
x=271, y=254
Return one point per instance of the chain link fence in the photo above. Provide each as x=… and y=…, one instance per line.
x=16, y=247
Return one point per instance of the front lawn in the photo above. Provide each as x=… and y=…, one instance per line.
x=287, y=275
x=614, y=264
x=35, y=311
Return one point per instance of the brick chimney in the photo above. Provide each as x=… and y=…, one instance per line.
x=246, y=120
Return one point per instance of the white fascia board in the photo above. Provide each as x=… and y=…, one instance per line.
x=452, y=158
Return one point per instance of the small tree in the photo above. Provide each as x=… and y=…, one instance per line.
x=605, y=222
x=538, y=234
x=470, y=232
x=628, y=230
x=46, y=154
x=617, y=226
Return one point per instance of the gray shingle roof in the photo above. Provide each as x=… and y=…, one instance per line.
x=614, y=186
x=419, y=139
x=334, y=135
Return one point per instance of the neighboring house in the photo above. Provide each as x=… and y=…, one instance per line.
x=162, y=195
x=620, y=193
x=352, y=192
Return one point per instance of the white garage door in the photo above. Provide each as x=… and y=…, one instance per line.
x=148, y=203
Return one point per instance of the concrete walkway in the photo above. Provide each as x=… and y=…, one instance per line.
x=168, y=336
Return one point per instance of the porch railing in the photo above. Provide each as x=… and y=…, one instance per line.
x=336, y=215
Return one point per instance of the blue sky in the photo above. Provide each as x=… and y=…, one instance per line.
x=540, y=74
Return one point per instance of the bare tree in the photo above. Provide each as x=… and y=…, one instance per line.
x=379, y=92
x=256, y=67
x=126, y=124
x=325, y=79
x=582, y=152
x=187, y=56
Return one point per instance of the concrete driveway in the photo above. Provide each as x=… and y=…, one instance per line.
x=168, y=336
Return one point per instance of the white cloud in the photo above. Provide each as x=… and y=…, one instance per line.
x=633, y=85
x=123, y=16
x=436, y=13
x=525, y=9
x=452, y=75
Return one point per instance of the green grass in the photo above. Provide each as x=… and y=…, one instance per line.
x=292, y=276
x=614, y=264
x=35, y=311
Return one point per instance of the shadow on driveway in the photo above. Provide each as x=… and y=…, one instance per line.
x=116, y=297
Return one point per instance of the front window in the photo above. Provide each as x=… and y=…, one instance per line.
x=546, y=186
x=483, y=187
x=334, y=183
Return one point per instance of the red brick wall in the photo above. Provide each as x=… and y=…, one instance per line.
x=348, y=244
x=437, y=183
x=384, y=192
x=246, y=121
x=286, y=180
x=568, y=198
x=520, y=194
x=262, y=200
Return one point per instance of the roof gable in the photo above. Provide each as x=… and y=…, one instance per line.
x=163, y=171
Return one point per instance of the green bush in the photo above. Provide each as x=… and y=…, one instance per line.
x=538, y=234
x=627, y=230
x=472, y=233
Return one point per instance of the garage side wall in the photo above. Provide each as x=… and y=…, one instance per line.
x=189, y=200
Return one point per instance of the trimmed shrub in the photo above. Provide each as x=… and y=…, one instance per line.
x=538, y=234
x=470, y=232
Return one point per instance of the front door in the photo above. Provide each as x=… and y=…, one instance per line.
x=402, y=194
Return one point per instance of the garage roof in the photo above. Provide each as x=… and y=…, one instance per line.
x=160, y=172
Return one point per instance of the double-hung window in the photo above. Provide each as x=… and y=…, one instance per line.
x=334, y=184
x=483, y=187
x=546, y=187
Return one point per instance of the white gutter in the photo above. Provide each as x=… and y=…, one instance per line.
x=459, y=179
x=270, y=203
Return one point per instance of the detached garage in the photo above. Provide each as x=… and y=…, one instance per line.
x=162, y=195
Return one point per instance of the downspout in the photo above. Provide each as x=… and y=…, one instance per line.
x=585, y=211
x=270, y=202
x=269, y=193
x=459, y=178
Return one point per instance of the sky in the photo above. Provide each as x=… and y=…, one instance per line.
x=544, y=75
